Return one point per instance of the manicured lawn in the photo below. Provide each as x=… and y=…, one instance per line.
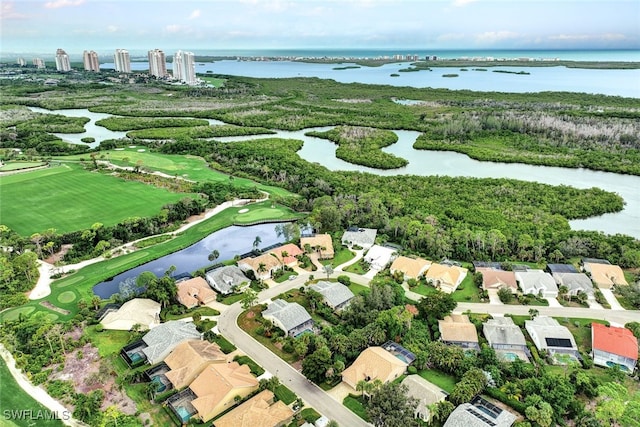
x=357, y=289
x=186, y=166
x=202, y=311
x=68, y=198
x=213, y=81
x=354, y=403
x=442, y=380
x=581, y=330
x=310, y=415
x=467, y=291
x=256, y=369
x=250, y=324
x=108, y=342
x=423, y=289
x=81, y=282
x=357, y=268
x=341, y=256
x=284, y=394
x=11, y=166
x=14, y=398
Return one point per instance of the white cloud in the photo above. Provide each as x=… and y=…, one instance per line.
x=450, y=36
x=588, y=37
x=496, y=36
x=56, y=4
x=195, y=14
x=112, y=28
x=7, y=11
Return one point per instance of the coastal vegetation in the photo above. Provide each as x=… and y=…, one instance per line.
x=136, y=123
x=174, y=133
x=361, y=146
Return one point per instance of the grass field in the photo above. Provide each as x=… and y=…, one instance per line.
x=14, y=398
x=11, y=166
x=81, y=282
x=442, y=380
x=189, y=167
x=69, y=198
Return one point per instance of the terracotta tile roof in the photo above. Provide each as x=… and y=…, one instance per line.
x=260, y=410
x=189, y=359
x=614, y=340
x=218, y=384
x=374, y=363
x=411, y=267
x=194, y=291
x=292, y=252
x=605, y=275
x=457, y=328
x=269, y=261
x=319, y=241
x=495, y=279
x=449, y=277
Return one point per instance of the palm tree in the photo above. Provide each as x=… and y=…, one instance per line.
x=256, y=242
x=95, y=301
x=214, y=255
x=262, y=267
x=563, y=291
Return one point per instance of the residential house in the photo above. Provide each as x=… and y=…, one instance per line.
x=612, y=346
x=262, y=265
x=506, y=338
x=189, y=359
x=143, y=312
x=411, y=268
x=227, y=279
x=605, y=276
x=537, y=282
x=321, y=244
x=561, y=268
x=457, y=329
x=547, y=334
x=374, y=363
x=194, y=292
x=218, y=385
x=162, y=339
x=290, y=317
x=480, y=413
x=495, y=279
x=287, y=254
x=362, y=237
x=378, y=257
x=336, y=295
x=447, y=278
x=260, y=410
x=575, y=283
x=425, y=393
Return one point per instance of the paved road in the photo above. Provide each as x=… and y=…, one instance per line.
x=309, y=392
x=618, y=317
x=323, y=402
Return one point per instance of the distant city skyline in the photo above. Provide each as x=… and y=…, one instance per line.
x=305, y=24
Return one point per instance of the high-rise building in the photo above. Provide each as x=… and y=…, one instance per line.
x=157, y=63
x=21, y=62
x=122, y=61
x=184, y=67
x=62, y=61
x=90, y=59
x=38, y=63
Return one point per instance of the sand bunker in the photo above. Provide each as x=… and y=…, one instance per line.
x=243, y=210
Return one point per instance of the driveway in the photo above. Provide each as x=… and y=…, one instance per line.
x=611, y=299
x=341, y=391
x=553, y=302
x=494, y=299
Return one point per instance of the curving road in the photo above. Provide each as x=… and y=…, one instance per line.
x=309, y=392
x=323, y=402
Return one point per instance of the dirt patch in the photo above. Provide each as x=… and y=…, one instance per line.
x=58, y=256
x=251, y=315
x=88, y=371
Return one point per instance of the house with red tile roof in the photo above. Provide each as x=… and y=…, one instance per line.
x=613, y=346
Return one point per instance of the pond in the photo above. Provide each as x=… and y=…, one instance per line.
x=229, y=242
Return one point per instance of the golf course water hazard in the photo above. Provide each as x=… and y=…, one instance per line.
x=229, y=242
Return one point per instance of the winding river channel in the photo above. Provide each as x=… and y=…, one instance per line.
x=444, y=163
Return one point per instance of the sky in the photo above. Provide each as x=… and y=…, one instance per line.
x=75, y=25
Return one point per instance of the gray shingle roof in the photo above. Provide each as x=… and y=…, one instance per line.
x=289, y=314
x=575, y=282
x=364, y=237
x=223, y=279
x=334, y=293
x=470, y=415
x=561, y=268
x=533, y=281
x=162, y=339
x=502, y=330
